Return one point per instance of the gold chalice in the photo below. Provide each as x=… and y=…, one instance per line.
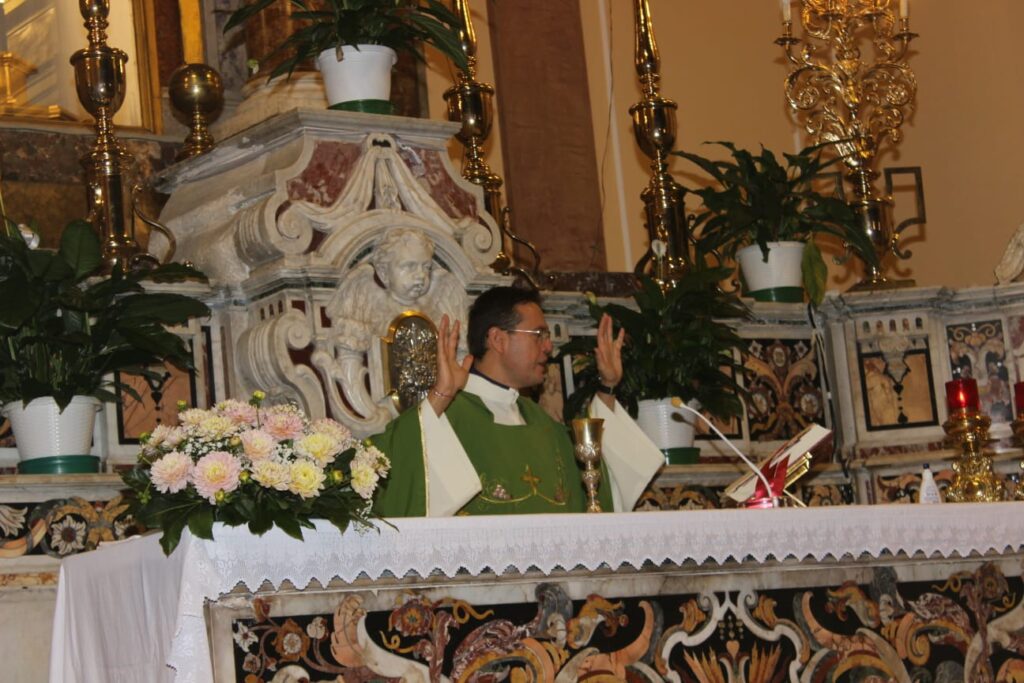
x=587, y=432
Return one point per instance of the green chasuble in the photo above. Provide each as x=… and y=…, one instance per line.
x=523, y=469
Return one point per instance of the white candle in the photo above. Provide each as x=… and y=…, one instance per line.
x=787, y=10
x=905, y=8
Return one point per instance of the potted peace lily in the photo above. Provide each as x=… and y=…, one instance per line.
x=354, y=43
x=765, y=215
x=66, y=331
x=677, y=346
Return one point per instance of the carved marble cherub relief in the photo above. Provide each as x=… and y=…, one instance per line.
x=400, y=275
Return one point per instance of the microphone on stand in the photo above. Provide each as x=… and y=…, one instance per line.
x=678, y=403
x=788, y=463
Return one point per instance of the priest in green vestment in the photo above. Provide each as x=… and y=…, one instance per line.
x=475, y=446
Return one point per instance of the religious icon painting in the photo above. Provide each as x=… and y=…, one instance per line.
x=898, y=391
x=977, y=350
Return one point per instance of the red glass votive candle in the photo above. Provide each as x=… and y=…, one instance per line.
x=1018, y=398
x=962, y=396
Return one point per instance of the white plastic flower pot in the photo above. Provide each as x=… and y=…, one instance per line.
x=779, y=276
x=362, y=74
x=43, y=432
x=670, y=428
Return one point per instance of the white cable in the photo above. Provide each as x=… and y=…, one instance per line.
x=678, y=403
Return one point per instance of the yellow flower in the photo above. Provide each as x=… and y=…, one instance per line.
x=364, y=479
x=306, y=478
x=271, y=474
x=216, y=427
x=318, y=446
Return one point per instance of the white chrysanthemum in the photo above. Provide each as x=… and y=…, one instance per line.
x=336, y=429
x=193, y=416
x=216, y=427
x=364, y=479
x=321, y=447
x=373, y=457
x=306, y=478
x=272, y=474
x=168, y=437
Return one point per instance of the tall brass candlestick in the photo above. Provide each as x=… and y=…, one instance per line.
x=587, y=433
x=470, y=103
x=654, y=126
x=100, y=83
x=855, y=102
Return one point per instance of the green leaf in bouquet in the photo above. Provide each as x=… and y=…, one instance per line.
x=200, y=522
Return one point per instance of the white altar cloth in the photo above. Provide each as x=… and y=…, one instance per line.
x=124, y=609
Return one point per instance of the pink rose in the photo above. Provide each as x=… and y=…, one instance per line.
x=216, y=471
x=170, y=473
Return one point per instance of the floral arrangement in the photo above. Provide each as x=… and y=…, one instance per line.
x=242, y=463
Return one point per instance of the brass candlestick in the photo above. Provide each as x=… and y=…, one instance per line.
x=587, y=432
x=197, y=97
x=470, y=103
x=100, y=85
x=855, y=102
x=654, y=126
x=973, y=478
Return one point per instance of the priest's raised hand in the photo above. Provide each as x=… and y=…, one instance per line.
x=451, y=375
x=609, y=360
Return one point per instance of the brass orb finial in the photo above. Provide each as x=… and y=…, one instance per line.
x=197, y=97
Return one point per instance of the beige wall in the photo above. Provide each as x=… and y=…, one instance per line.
x=720, y=64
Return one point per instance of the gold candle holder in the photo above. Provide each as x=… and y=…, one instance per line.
x=849, y=96
x=100, y=83
x=974, y=481
x=470, y=103
x=587, y=433
x=654, y=126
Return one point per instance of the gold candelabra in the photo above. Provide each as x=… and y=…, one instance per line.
x=587, y=433
x=855, y=102
x=974, y=481
x=100, y=83
x=654, y=126
x=470, y=103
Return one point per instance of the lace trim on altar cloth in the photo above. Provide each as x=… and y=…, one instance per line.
x=546, y=543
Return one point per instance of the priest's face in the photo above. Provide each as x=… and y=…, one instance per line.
x=526, y=354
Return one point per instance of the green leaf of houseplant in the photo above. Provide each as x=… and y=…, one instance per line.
x=80, y=248
x=815, y=273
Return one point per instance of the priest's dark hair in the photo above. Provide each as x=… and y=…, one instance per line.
x=496, y=308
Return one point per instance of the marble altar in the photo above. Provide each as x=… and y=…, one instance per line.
x=718, y=595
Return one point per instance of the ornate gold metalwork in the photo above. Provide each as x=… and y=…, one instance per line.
x=654, y=126
x=973, y=478
x=587, y=433
x=409, y=358
x=470, y=103
x=197, y=97
x=100, y=82
x=853, y=102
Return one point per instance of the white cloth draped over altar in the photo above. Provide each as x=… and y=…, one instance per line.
x=125, y=609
